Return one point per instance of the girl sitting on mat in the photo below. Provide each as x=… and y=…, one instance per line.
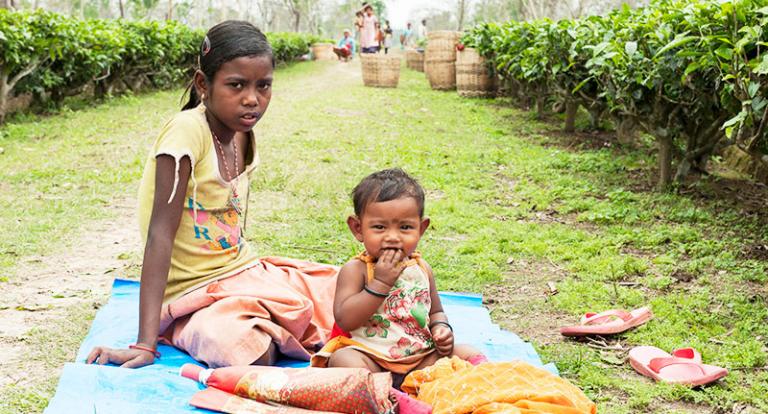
x=203, y=289
x=387, y=310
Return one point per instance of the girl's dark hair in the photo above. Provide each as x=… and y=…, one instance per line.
x=387, y=185
x=227, y=40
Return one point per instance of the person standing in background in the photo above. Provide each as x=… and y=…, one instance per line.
x=387, y=36
x=368, y=42
x=406, y=36
x=379, y=38
x=422, y=34
x=358, y=26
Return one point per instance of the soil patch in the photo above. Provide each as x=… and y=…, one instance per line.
x=687, y=408
x=683, y=276
x=756, y=252
x=45, y=289
x=519, y=303
x=746, y=197
x=583, y=140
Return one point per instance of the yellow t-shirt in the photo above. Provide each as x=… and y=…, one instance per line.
x=209, y=243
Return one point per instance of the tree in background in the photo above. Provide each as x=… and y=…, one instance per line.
x=461, y=12
x=557, y=9
x=267, y=12
x=379, y=8
x=324, y=17
x=299, y=9
x=504, y=10
x=495, y=10
x=339, y=17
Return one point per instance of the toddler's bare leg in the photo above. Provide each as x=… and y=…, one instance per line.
x=352, y=358
x=428, y=361
x=465, y=352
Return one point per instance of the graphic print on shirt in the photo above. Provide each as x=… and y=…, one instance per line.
x=218, y=229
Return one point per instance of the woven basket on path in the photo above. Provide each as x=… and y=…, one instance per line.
x=381, y=71
x=441, y=45
x=414, y=60
x=323, y=51
x=441, y=74
x=473, y=77
x=440, y=59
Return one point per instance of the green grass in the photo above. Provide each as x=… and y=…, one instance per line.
x=499, y=185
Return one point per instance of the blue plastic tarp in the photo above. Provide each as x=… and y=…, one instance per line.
x=159, y=388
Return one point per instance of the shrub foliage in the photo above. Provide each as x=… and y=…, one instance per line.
x=53, y=56
x=690, y=73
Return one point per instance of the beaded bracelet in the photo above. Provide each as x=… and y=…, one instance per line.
x=432, y=324
x=154, y=352
x=374, y=293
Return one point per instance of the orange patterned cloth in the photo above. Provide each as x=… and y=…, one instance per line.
x=217, y=400
x=454, y=386
x=340, y=390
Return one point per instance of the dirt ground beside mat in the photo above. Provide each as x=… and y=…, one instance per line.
x=519, y=305
x=45, y=288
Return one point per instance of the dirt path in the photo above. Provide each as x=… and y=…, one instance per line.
x=45, y=288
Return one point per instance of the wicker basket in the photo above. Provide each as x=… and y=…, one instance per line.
x=441, y=74
x=323, y=51
x=414, y=60
x=381, y=71
x=441, y=45
x=440, y=59
x=473, y=78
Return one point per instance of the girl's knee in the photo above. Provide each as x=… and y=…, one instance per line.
x=269, y=357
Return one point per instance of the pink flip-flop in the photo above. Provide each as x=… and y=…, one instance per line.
x=608, y=322
x=661, y=366
x=687, y=353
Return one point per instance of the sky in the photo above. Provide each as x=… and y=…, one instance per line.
x=399, y=10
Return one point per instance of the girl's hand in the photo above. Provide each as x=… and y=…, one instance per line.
x=443, y=337
x=389, y=267
x=126, y=358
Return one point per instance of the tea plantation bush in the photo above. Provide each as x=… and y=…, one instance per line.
x=691, y=73
x=53, y=56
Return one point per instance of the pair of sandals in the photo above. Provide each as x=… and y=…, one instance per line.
x=683, y=366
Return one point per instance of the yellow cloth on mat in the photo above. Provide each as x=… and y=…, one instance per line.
x=454, y=386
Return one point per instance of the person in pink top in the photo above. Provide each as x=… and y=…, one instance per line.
x=368, y=42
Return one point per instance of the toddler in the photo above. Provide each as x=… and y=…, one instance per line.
x=387, y=309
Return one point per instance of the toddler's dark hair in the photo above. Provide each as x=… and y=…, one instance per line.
x=387, y=185
x=227, y=40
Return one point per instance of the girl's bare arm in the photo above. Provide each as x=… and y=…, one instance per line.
x=163, y=225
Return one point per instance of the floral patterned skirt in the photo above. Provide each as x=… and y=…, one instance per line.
x=398, y=366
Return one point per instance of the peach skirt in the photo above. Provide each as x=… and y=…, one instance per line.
x=232, y=321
